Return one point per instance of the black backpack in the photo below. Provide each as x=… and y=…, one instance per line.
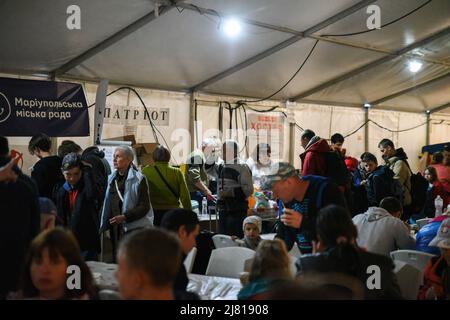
x=419, y=187
x=336, y=169
x=393, y=187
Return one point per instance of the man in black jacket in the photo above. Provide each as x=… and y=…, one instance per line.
x=20, y=221
x=77, y=207
x=380, y=180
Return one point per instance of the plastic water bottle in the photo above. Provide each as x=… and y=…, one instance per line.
x=205, y=206
x=438, y=204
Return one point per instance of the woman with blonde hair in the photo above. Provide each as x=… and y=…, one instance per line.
x=270, y=266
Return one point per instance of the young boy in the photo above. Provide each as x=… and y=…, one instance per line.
x=379, y=180
x=252, y=227
x=76, y=205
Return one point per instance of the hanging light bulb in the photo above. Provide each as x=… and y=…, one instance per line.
x=414, y=66
x=232, y=27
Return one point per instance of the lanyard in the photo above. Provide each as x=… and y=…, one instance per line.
x=118, y=191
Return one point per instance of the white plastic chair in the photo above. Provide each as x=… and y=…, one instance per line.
x=295, y=251
x=268, y=236
x=417, y=259
x=223, y=241
x=248, y=264
x=409, y=279
x=421, y=222
x=292, y=266
x=190, y=259
x=228, y=262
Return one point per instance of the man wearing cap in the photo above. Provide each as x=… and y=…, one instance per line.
x=437, y=272
x=76, y=205
x=302, y=198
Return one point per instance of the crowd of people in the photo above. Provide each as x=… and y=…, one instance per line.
x=344, y=214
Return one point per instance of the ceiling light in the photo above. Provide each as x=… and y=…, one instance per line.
x=367, y=105
x=232, y=27
x=414, y=66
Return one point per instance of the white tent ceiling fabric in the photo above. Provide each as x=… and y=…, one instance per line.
x=182, y=48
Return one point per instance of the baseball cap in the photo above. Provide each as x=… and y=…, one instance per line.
x=442, y=239
x=278, y=171
x=46, y=206
x=70, y=161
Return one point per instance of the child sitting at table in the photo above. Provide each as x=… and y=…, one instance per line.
x=252, y=227
x=270, y=266
x=46, y=275
x=437, y=272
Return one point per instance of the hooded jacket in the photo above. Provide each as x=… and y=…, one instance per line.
x=381, y=233
x=379, y=185
x=100, y=171
x=314, y=159
x=402, y=172
x=83, y=219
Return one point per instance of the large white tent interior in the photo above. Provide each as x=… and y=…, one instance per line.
x=175, y=54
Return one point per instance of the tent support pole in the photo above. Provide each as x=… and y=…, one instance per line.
x=366, y=129
x=192, y=121
x=427, y=139
x=291, y=143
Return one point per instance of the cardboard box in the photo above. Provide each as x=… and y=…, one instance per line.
x=143, y=151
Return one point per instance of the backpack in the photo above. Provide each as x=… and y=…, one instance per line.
x=419, y=187
x=336, y=170
x=397, y=190
x=393, y=187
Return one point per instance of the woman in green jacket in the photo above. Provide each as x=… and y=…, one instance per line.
x=167, y=185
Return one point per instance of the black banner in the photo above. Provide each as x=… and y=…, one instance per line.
x=27, y=107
